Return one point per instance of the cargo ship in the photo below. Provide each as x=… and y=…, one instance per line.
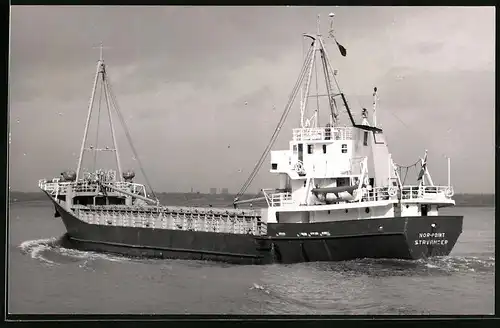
x=340, y=196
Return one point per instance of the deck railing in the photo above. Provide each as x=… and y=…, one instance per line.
x=277, y=199
x=426, y=192
x=321, y=134
x=56, y=186
x=407, y=193
x=234, y=221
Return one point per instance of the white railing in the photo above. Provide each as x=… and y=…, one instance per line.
x=408, y=193
x=376, y=194
x=426, y=192
x=229, y=221
x=277, y=198
x=135, y=188
x=321, y=134
x=53, y=186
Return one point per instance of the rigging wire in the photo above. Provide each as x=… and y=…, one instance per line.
x=330, y=69
x=329, y=73
x=98, y=123
x=317, y=87
x=127, y=133
x=274, y=136
x=421, y=136
x=407, y=166
x=280, y=123
x=331, y=99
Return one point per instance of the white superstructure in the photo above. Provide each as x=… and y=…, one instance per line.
x=341, y=171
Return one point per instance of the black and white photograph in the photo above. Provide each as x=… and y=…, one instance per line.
x=251, y=160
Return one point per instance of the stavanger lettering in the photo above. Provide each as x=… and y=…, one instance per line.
x=431, y=238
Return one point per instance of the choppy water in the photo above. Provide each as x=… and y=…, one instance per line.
x=46, y=278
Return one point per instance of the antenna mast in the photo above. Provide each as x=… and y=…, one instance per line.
x=317, y=45
x=318, y=29
x=100, y=75
x=375, y=107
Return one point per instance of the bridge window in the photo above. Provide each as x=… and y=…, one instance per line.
x=310, y=149
x=324, y=149
x=365, y=139
x=274, y=166
x=344, y=148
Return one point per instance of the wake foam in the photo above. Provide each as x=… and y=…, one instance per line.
x=36, y=248
x=50, y=251
x=460, y=263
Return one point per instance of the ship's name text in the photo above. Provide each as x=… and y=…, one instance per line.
x=431, y=238
x=431, y=235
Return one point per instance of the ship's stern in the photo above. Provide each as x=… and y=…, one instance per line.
x=432, y=235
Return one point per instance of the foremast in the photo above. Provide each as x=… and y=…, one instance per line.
x=83, y=184
x=100, y=76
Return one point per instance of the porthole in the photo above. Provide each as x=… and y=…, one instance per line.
x=367, y=210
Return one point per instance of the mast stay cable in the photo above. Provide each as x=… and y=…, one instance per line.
x=284, y=115
x=114, y=102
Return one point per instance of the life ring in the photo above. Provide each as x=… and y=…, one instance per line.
x=449, y=192
x=392, y=191
x=298, y=167
x=366, y=181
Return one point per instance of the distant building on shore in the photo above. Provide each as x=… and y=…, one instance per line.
x=213, y=191
x=224, y=191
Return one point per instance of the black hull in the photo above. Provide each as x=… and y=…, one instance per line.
x=397, y=238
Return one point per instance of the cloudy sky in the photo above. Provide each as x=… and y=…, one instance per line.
x=202, y=88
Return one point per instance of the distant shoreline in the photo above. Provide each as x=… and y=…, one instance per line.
x=462, y=200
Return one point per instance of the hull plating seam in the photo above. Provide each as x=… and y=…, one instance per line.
x=166, y=248
x=332, y=237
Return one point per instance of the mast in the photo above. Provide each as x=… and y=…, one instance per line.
x=301, y=99
x=316, y=112
x=308, y=81
x=305, y=77
x=375, y=107
x=449, y=173
x=85, y=133
x=100, y=76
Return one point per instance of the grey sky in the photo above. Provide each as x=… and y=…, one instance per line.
x=182, y=76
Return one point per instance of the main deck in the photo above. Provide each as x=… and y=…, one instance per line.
x=174, y=218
